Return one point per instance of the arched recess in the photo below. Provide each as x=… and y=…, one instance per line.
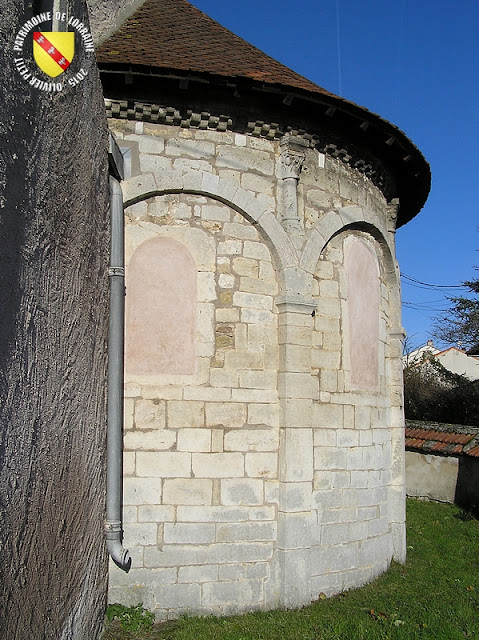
x=322, y=236
x=205, y=184
x=361, y=271
x=160, y=326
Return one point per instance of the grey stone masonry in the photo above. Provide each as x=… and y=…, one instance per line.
x=259, y=470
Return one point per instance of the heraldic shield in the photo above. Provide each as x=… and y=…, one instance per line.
x=53, y=51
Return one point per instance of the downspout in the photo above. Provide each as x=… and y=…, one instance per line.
x=114, y=473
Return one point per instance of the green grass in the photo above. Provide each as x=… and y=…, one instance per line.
x=435, y=595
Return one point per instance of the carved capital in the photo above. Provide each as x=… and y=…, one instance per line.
x=392, y=214
x=292, y=156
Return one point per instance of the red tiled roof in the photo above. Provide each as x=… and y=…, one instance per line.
x=443, y=440
x=173, y=34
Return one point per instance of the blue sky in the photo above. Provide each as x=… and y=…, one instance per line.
x=416, y=64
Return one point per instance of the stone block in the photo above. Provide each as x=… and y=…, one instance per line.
x=192, y=148
x=240, y=593
x=138, y=577
x=194, y=440
x=295, y=496
x=213, y=514
x=231, y=571
x=378, y=527
x=227, y=414
x=240, y=231
x=322, y=480
x=149, y=414
x=258, y=379
x=295, y=385
x=288, y=334
x=296, y=455
x=254, y=395
x=157, y=440
x=163, y=464
x=359, y=479
x=259, y=285
x=185, y=414
x=182, y=597
x=358, y=531
x=129, y=463
x=215, y=212
x=263, y=414
x=175, y=556
x=296, y=412
x=254, y=531
x=295, y=566
x=192, y=491
x=244, y=159
x=207, y=394
x=334, y=534
x=217, y=465
x=253, y=301
x=294, y=529
x=224, y=553
x=256, y=183
x=165, y=393
x=186, y=165
x=261, y=465
x=227, y=315
x=363, y=417
x=144, y=534
x=206, y=286
x=295, y=358
x=328, y=289
x=241, y=491
x=328, y=415
x=225, y=281
x=194, y=574
x=141, y=491
x=251, y=440
x=156, y=513
x=257, y=251
x=329, y=458
x=154, y=164
x=230, y=248
x=257, y=316
x=217, y=440
x=324, y=437
x=186, y=533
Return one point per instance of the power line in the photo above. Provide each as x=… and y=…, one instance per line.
x=429, y=285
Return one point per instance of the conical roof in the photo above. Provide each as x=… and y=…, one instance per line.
x=175, y=41
x=173, y=34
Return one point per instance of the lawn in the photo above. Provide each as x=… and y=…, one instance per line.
x=435, y=595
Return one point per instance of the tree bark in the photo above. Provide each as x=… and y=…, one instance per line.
x=53, y=328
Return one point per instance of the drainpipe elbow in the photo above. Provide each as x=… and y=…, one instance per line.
x=119, y=555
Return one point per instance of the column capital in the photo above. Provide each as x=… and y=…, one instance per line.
x=296, y=304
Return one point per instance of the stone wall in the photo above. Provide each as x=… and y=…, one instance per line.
x=260, y=468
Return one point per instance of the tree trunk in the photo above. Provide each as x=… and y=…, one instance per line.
x=53, y=329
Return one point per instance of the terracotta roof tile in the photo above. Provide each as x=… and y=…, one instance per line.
x=443, y=439
x=173, y=34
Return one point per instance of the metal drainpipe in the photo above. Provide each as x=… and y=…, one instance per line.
x=114, y=473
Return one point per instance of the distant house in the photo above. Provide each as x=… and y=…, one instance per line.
x=453, y=359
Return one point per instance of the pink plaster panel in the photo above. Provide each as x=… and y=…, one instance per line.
x=161, y=309
x=362, y=278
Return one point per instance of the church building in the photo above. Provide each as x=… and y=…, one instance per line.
x=263, y=416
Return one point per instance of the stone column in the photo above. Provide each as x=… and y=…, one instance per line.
x=296, y=449
x=398, y=475
x=292, y=158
